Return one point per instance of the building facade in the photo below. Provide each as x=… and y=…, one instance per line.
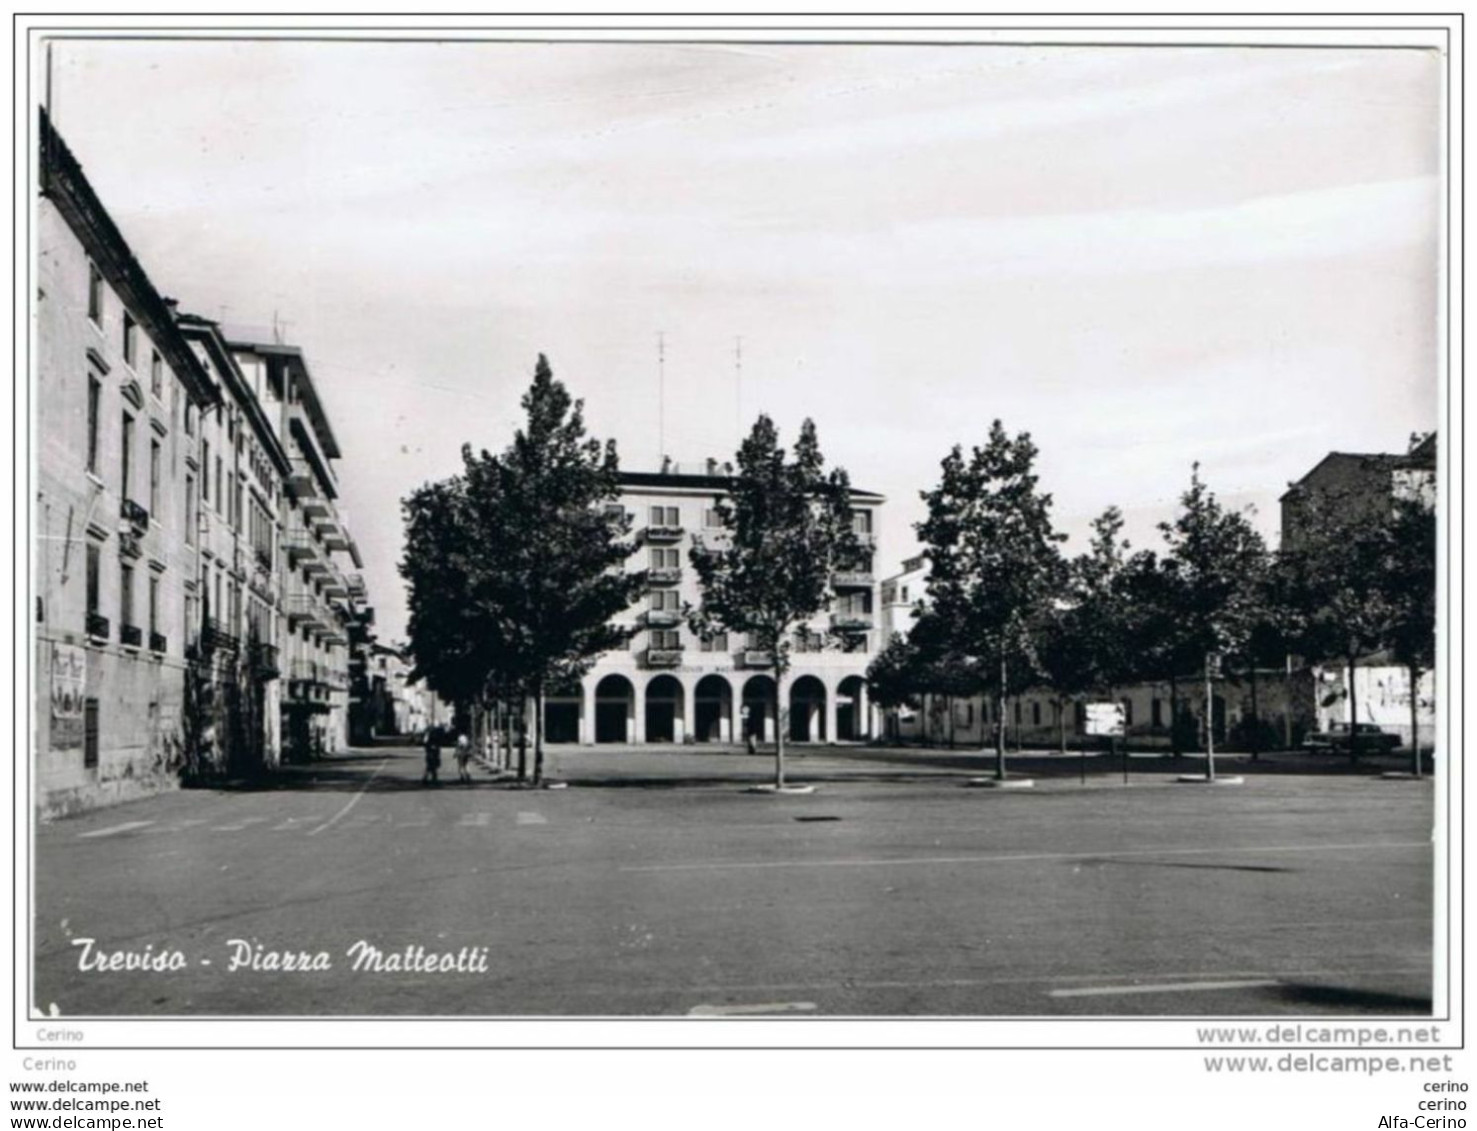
x=185, y=529
x=669, y=685
x=321, y=605
x=120, y=399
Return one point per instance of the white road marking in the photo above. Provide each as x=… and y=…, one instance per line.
x=1163, y=988
x=475, y=820
x=749, y=1010
x=1016, y=858
x=239, y=825
x=532, y=819
x=114, y=830
x=328, y=824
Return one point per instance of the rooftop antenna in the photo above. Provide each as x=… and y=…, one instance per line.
x=661, y=395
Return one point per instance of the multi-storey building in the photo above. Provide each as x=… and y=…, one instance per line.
x=239, y=490
x=118, y=410
x=669, y=685
x=318, y=608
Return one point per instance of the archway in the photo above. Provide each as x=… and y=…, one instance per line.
x=615, y=710
x=807, y=710
x=664, y=709
x=758, y=708
x=712, y=703
x=851, y=710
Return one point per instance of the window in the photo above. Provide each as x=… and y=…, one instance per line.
x=717, y=642
x=1127, y=712
x=125, y=489
x=220, y=487
x=189, y=417
x=861, y=522
x=156, y=375
x=94, y=402
x=666, y=639
x=205, y=472
x=711, y=519
x=237, y=505
x=189, y=510
x=125, y=594
x=808, y=641
x=905, y=594
x=1156, y=709
x=130, y=338
x=192, y=616
x=94, y=568
x=664, y=558
x=89, y=734
x=94, y=294
x=1017, y=712
x=154, y=477
x=664, y=600
x=855, y=604
x=1035, y=712
x=153, y=606
x=665, y=516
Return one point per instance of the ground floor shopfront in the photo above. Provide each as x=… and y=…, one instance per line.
x=629, y=704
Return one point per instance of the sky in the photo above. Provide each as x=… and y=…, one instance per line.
x=1143, y=256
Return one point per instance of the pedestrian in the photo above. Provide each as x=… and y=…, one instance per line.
x=463, y=757
x=433, y=757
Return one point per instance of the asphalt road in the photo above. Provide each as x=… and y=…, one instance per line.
x=655, y=885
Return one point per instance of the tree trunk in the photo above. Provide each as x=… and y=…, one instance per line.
x=949, y=707
x=538, y=733
x=1353, y=711
x=1415, y=728
x=1256, y=718
x=1174, y=716
x=1061, y=725
x=523, y=744
x=779, y=731
x=1000, y=724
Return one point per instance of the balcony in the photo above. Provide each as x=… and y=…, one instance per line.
x=661, y=618
x=217, y=637
x=663, y=533
x=301, y=547
x=301, y=481
x=133, y=513
x=264, y=661
x=663, y=576
x=128, y=544
x=662, y=657
x=852, y=579
x=130, y=636
x=97, y=626
x=263, y=559
x=158, y=642
x=755, y=658
x=851, y=622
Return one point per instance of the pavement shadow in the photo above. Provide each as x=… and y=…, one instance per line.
x=1186, y=864
x=1345, y=998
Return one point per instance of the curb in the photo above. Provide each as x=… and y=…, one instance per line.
x=782, y=791
x=1001, y=783
x=1201, y=779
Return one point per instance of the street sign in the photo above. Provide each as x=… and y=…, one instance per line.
x=1106, y=719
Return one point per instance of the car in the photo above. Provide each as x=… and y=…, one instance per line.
x=1337, y=739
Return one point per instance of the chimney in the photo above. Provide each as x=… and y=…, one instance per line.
x=666, y=465
x=712, y=466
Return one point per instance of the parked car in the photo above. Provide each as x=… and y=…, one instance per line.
x=1337, y=739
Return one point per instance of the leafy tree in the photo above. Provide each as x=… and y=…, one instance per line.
x=1217, y=557
x=1155, y=631
x=789, y=527
x=1409, y=585
x=996, y=568
x=515, y=566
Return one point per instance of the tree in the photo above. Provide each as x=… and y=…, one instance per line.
x=788, y=524
x=1155, y=632
x=996, y=569
x=1409, y=586
x=1217, y=558
x=516, y=566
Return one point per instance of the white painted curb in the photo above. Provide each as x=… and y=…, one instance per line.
x=1200, y=779
x=998, y=783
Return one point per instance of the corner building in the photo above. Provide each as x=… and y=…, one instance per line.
x=670, y=686
x=119, y=399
